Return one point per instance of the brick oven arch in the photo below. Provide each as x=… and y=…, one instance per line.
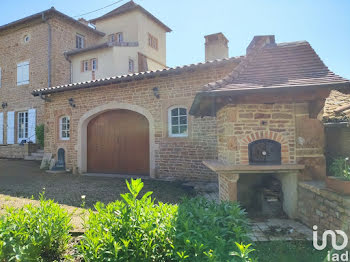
x=274, y=136
x=85, y=119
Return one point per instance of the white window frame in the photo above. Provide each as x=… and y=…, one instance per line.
x=170, y=117
x=23, y=73
x=94, y=64
x=79, y=41
x=67, y=129
x=120, y=37
x=86, y=65
x=131, y=65
x=25, y=124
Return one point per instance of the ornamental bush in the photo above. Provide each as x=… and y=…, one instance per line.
x=138, y=229
x=34, y=233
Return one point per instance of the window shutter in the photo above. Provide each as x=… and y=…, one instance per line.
x=31, y=125
x=89, y=65
x=10, y=128
x=82, y=66
x=26, y=72
x=19, y=74
x=1, y=128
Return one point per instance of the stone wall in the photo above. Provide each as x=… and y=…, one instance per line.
x=13, y=50
x=178, y=158
x=320, y=206
x=301, y=138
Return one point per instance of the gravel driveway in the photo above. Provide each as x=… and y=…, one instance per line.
x=20, y=180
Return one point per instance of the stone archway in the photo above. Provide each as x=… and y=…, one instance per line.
x=88, y=116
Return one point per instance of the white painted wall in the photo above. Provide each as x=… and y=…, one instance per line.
x=114, y=61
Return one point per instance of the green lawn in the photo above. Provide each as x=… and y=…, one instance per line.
x=288, y=251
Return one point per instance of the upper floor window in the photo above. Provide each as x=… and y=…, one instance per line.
x=85, y=65
x=23, y=73
x=120, y=37
x=177, y=122
x=79, y=41
x=64, y=128
x=111, y=38
x=131, y=66
x=94, y=64
x=152, y=41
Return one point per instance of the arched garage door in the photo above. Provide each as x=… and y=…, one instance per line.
x=118, y=143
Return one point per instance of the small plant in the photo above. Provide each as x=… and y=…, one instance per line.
x=40, y=134
x=34, y=233
x=243, y=252
x=134, y=229
x=340, y=167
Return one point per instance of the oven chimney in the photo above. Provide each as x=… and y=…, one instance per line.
x=259, y=41
x=216, y=47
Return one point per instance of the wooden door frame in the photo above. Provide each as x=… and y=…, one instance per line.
x=85, y=119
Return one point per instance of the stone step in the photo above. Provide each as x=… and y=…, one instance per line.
x=33, y=158
x=40, y=151
x=37, y=154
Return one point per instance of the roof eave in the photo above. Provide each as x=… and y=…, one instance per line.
x=45, y=12
x=195, y=108
x=128, y=78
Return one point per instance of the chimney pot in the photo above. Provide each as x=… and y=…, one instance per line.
x=216, y=47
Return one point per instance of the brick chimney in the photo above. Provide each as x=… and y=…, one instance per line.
x=216, y=47
x=259, y=41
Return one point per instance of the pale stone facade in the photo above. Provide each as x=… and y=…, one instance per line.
x=171, y=157
x=14, y=49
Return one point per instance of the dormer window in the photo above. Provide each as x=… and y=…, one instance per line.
x=79, y=41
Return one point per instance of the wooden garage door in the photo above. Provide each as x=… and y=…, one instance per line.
x=118, y=143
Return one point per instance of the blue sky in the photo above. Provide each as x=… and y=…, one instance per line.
x=324, y=23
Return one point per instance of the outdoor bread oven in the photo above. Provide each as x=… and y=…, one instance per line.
x=264, y=152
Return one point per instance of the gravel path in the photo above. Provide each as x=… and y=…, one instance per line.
x=21, y=182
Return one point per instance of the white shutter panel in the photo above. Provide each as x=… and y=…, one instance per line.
x=25, y=71
x=19, y=73
x=10, y=128
x=31, y=125
x=1, y=128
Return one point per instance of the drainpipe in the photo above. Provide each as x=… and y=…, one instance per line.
x=71, y=67
x=49, y=47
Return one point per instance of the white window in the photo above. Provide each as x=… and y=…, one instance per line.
x=111, y=38
x=86, y=65
x=120, y=37
x=131, y=66
x=94, y=64
x=64, y=128
x=23, y=73
x=178, y=123
x=22, y=126
x=79, y=41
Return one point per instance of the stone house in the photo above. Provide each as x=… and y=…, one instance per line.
x=154, y=107
x=336, y=120
x=50, y=48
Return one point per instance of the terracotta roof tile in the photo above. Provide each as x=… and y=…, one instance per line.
x=335, y=109
x=280, y=65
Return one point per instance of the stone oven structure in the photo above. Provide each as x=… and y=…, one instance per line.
x=267, y=121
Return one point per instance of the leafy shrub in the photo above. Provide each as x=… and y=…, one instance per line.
x=137, y=229
x=340, y=167
x=34, y=233
x=129, y=230
x=207, y=231
x=40, y=134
